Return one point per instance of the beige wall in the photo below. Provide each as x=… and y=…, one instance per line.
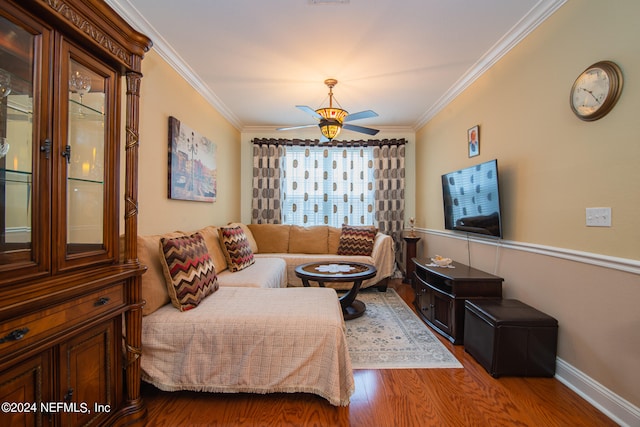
x=165, y=93
x=553, y=166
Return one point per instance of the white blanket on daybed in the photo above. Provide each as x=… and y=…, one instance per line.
x=251, y=340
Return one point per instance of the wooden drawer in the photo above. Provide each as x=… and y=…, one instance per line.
x=24, y=330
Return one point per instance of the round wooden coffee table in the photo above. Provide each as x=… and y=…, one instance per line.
x=341, y=271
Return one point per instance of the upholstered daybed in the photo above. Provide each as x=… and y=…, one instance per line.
x=232, y=325
x=251, y=340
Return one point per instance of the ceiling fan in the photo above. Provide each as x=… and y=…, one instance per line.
x=332, y=119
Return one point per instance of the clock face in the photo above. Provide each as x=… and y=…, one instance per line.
x=590, y=92
x=596, y=91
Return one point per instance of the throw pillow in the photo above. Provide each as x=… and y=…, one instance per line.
x=236, y=248
x=357, y=240
x=188, y=270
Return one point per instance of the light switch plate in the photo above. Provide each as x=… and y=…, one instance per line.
x=598, y=217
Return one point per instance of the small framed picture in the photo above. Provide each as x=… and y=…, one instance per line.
x=473, y=141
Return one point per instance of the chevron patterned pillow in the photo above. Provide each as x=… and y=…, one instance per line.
x=357, y=240
x=188, y=270
x=236, y=248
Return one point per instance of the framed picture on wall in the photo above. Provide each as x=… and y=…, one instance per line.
x=192, y=164
x=473, y=141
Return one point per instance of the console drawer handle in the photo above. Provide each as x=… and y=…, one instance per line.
x=102, y=301
x=16, y=335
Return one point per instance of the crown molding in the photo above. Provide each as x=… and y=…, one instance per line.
x=536, y=16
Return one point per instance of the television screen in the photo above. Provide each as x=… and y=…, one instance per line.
x=472, y=200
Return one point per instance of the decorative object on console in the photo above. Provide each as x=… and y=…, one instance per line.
x=596, y=91
x=412, y=227
x=188, y=270
x=192, y=164
x=440, y=261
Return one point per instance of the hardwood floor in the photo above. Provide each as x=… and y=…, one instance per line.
x=394, y=398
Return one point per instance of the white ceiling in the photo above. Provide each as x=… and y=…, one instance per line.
x=255, y=60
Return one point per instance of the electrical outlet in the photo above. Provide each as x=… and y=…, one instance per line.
x=598, y=217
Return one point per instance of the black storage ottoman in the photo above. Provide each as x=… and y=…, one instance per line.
x=510, y=338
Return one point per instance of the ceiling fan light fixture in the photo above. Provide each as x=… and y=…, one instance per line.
x=331, y=122
x=333, y=113
x=330, y=128
x=331, y=118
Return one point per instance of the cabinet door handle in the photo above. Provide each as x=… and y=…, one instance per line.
x=67, y=153
x=68, y=395
x=16, y=335
x=101, y=301
x=46, y=148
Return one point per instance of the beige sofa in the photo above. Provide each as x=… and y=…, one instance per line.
x=277, y=249
x=232, y=340
x=300, y=245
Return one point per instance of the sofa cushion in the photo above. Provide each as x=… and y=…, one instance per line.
x=357, y=240
x=271, y=238
x=236, y=248
x=189, y=272
x=154, y=289
x=211, y=237
x=264, y=273
x=308, y=240
x=333, y=241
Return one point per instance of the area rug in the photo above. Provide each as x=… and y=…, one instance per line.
x=389, y=335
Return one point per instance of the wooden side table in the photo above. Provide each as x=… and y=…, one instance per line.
x=340, y=271
x=410, y=267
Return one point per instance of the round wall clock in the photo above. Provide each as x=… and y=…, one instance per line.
x=596, y=90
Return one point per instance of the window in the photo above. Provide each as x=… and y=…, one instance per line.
x=328, y=186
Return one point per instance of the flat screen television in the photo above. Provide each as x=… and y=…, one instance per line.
x=472, y=200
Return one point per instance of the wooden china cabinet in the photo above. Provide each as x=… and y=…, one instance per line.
x=70, y=301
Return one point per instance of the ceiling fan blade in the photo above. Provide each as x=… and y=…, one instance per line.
x=361, y=115
x=360, y=129
x=298, y=127
x=309, y=110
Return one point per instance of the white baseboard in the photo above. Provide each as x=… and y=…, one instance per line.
x=615, y=407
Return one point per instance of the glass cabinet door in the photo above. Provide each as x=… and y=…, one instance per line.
x=84, y=154
x=86, y=162
x=23, y=221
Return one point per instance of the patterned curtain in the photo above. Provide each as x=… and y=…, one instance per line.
x=328, y=185
x=266, y=201
x=389, y=158
x=335, y=164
